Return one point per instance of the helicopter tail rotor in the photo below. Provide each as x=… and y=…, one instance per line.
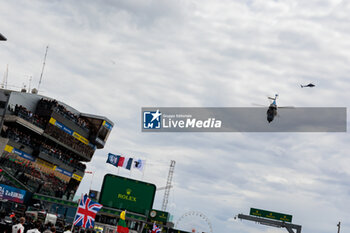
x=271, y=98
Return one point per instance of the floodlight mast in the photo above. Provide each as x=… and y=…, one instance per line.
x=274, y=223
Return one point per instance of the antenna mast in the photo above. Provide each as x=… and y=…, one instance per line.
x=4, y=81
x=30, y=82
x=168, y=185
x=42, y=70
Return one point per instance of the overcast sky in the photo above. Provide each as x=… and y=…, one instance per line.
x=111, y=58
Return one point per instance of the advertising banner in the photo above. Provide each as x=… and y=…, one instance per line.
x=12, y=193
x=127, y=194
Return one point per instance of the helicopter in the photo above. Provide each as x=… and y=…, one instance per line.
x=308, y=85
x=272, y=110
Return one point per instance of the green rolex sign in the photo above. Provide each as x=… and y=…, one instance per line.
x=127, y=194
x=271, y=215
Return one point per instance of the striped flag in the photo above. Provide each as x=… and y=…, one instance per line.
x=127, y=163
x=155, y=228
x=86, y=212
x=119, y=161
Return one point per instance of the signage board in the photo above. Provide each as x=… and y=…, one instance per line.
x=159, y=216
x=127, y=194
x=12, y=194
x=271, y=215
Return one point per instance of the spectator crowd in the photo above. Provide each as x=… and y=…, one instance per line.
x=55, y=106
x=31, y=176
x=23, y=112
x=69, y=140
x=65, y=156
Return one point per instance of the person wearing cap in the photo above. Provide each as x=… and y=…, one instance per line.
x=19, y=228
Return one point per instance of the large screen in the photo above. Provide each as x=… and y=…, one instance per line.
x=127, y=194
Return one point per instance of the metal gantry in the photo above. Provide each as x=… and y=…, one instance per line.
x=274, y=223
x=168, y=185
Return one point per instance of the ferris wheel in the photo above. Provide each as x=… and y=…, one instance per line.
x=195, y=222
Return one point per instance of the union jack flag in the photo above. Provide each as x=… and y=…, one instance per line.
x=156, y=229
x=86, y=212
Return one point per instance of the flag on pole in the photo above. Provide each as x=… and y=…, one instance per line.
x=139, y=164
x=86, y=212
x=155, y=228
x=113, y=159
x=122, y=228
x=120, y=161
x=127, y=163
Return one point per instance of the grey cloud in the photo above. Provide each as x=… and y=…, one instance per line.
x=200, y=54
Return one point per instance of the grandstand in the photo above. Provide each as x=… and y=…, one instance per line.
x=45, y=143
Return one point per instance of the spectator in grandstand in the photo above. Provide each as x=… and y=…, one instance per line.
x=19, y=228
x=69, y=140
x=24, y=113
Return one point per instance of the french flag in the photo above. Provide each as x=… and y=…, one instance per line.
x=125, y=162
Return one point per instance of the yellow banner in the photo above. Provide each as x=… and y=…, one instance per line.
x=80, y=138
x=69, y=131
x=45, y=164
x=77, y=177
x=9, y=148
x=52, y=121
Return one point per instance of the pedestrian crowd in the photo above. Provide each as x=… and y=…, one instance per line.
x=22, y=225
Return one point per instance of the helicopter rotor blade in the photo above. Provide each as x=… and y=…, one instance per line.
x=259, y=105
x=290, y=107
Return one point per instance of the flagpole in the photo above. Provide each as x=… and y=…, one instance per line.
x=93, y=173
x=131, y=166
x=76, y=214
x=143, y=170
